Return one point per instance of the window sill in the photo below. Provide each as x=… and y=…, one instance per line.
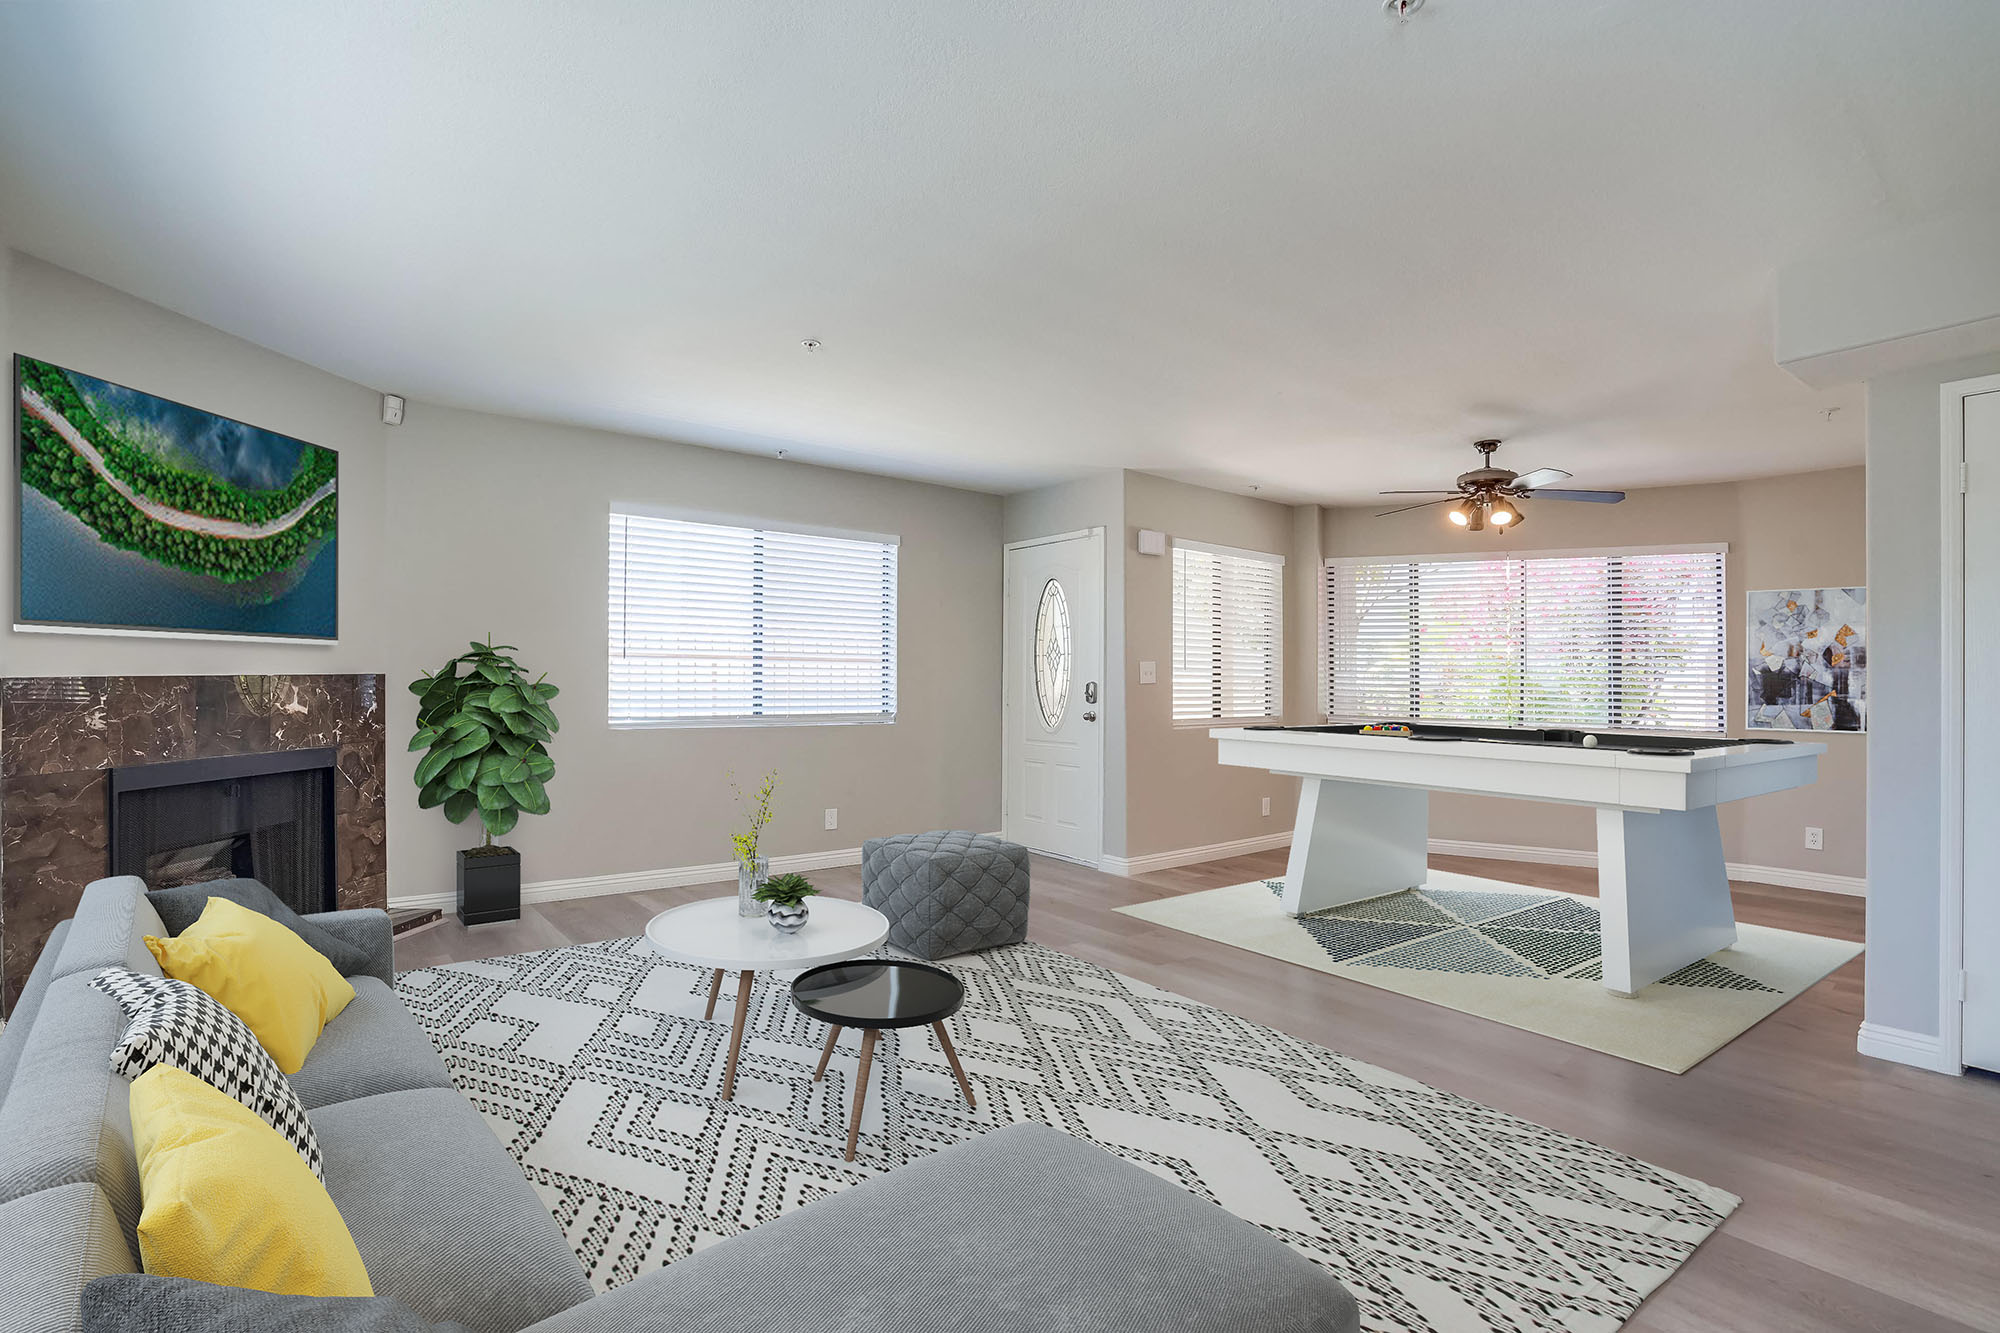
x=1204, y=723
x=750, y=723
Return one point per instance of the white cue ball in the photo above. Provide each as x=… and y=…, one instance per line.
x=1590, y=742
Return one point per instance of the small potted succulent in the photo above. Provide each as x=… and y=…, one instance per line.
x=784, y=898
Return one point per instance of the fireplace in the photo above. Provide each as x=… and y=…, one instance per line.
x=63, y=740
x=267, y=817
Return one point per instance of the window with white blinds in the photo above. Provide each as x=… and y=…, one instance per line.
x=714, y=624
x=1228, y=634
x=1623, y=640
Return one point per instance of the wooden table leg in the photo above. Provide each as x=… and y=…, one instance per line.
x=832, y=1036
x=743, y=984
x=860, y=1089
x=952, y=1056
x=714, y=989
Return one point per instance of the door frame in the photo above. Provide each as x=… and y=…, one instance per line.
x=1103, y=665
x=1951, y=718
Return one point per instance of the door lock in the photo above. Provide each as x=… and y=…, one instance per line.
x=1090, y=691
x=1090, y=717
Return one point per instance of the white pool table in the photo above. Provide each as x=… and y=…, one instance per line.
x=1363, y=825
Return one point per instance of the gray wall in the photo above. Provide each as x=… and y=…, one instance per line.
x=1783, y=532
x=1904, y=578
x=457, y=523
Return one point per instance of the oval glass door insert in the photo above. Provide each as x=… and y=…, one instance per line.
x=1053, y=652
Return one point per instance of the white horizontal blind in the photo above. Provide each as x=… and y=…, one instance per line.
x=716, y=624
x=1624, y=641
x=1228, y=634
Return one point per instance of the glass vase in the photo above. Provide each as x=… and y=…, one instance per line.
x=749, y=879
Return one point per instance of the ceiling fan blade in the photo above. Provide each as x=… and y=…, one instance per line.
x=1416, y=492
x=1541, y=476
x=1594, y=497
x=1425, y=505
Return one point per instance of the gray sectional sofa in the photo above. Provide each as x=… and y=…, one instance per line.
x=1025, y=1228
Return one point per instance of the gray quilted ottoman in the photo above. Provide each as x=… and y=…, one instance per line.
x=947, y=892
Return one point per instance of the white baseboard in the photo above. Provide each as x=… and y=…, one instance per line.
x=1922, y=1049
x=634, y=881
x=1187, y=856
x=1784, y=876
x=1500, y=851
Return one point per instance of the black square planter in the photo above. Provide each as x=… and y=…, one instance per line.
x=489, y=888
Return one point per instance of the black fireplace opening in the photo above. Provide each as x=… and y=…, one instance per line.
x=267, y=817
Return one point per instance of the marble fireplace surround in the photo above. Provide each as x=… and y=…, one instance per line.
x=60, y=737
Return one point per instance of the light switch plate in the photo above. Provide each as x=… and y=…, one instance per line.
x=832, y=818
x=1149, y=673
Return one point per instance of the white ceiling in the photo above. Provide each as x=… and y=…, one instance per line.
x=1289, y=243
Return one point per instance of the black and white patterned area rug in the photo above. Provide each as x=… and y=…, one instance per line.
x=596, y=1069
x=1529, y=958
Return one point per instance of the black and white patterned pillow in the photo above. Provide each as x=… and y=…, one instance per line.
x=174, y=1023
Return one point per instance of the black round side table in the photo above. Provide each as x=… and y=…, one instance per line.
x=873, y=994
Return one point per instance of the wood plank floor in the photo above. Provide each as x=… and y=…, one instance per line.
x=1869, y=1189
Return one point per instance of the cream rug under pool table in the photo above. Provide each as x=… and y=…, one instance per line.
x=1525, y=957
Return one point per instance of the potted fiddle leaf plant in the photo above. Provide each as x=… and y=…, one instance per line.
x=784, y=898
x=485, y=729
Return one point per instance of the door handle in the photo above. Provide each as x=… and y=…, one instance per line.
x=1090, y=691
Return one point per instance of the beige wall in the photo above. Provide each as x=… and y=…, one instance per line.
x=1176, y=794
x=1804, y=531
x=457, y=524
x=500, y=525
x=74, y=322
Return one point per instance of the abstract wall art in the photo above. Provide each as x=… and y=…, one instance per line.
x=140, y=514
x=1808, y=668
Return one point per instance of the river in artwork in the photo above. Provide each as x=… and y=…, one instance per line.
x=73, y=578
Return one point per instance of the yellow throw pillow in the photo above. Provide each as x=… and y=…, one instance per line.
x=226, y=1200
x=282, y=988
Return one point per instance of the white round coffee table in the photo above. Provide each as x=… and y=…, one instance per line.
x=711, y=934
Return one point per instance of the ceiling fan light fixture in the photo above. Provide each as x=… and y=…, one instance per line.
x=1504, y=514
x=1457, y=514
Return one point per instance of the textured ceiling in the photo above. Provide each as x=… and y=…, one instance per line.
x=1294, y=244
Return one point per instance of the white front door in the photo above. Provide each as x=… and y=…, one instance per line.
x=1981, y=1012
x=1053, y=749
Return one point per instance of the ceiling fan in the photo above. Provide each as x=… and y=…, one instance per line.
x=1487, y=493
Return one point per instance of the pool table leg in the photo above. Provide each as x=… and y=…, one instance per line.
x=1355, y=840
x=1662, y=894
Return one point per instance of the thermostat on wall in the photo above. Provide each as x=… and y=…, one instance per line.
x=1151, y=542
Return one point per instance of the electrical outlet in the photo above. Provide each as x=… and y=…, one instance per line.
x=1267, y=805
x=1149, y=673
x=832, y=817
x=1815, y=839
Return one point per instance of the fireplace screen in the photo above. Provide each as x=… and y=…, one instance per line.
x=262, y=817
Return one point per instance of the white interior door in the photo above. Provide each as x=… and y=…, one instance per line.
x=1981, y=1012
x=1054, y=682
